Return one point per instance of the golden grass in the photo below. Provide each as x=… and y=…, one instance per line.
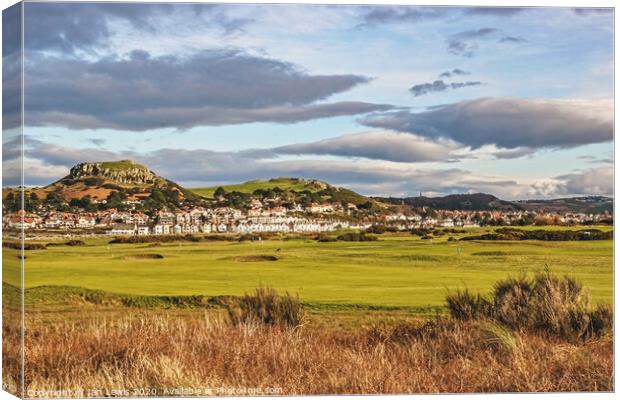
x=146, y=353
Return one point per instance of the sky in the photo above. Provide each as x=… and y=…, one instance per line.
x=384, y=100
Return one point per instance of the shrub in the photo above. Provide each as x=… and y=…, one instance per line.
x=548, y=304
x=266, y=307
x=560, y=306
x=27, y=246
x=323, y=238
x=356, y=237
x=511, y=301
x=75, y=242
x=380, y=229
x=465, y=306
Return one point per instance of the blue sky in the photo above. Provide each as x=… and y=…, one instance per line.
x=389, y=100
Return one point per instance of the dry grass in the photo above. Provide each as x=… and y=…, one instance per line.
x=146, y=350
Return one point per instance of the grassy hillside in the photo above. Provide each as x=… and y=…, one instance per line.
x=293, y=184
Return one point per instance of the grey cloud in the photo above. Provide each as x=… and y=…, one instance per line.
x=440, y=86
x=413, y=14
x=97, y=141
x=71, y=27
x=595, y=181
x=465, y=43
x=454, y=72
x=495, y=11
x=584, y=11
x=389, y=14
x=513, y=153
x=512, y=39
x=507, y=122
x=382, y=145
x=212, y=87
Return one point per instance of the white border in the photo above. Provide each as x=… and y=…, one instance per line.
x=483, y=3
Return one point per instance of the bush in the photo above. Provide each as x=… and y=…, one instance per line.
x=323, y=238
x=266, y=307
x=75, y=242
x=356, y=237
x=465, y=306
x=27, y=246
x=380, y=229
x=511, y=301
x=546, y=304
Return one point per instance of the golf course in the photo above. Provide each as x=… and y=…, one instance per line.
x=396, y=271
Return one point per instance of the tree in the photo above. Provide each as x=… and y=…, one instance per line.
x=115, y=199
x=12, y=203
x=31, y=202
x=219, y=193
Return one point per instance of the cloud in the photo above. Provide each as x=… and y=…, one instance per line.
x=394, y=14
x=591, y=182
x=381, y=145
x=585, y=11
x=69, y=28
x=495, y=11
x=379, y=15
x=507, y=122
x=212, y=87
x=48, y=162
x=97, y=141
x=511, y=39
x=465, y=43
x=454, y=72
x=440, y=86
x=595, y=181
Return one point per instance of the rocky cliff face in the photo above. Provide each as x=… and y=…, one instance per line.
x=129, y=173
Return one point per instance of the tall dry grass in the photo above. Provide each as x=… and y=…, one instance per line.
x=146, y=350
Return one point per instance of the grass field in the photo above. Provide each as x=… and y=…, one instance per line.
x=395, y=271
x=97, y=318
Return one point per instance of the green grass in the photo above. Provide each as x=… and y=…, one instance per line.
x=249, y=187
x=396, y=271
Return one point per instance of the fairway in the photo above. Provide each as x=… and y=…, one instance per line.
x=395, y=271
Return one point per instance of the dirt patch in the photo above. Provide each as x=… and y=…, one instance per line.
x=143, y=257
x=255, y=258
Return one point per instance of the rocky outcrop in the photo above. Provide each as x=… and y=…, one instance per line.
x=128, y=173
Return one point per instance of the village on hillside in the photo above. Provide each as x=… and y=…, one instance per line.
x=261, y=217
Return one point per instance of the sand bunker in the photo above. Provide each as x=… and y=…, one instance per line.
x=143, y=257
x=256, y=258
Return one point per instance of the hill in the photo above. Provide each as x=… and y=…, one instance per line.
x=471, y=202
x=295, y=189
x=110, y=182
x=284, y=183
x=587, y=205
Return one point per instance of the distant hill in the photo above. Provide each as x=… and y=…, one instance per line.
x=284, y=183
x=472, y=202
x=588, y=204
x=99, y=179
x=313, y=188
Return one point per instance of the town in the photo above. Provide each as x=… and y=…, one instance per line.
x=259, y=218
